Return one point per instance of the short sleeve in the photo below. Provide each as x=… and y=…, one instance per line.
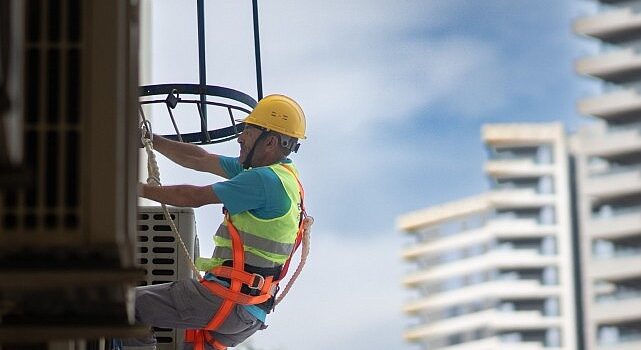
x=257, y=190
x=231, y=166
x=243, y=192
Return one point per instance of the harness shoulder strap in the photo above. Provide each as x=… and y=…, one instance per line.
x=299, y=234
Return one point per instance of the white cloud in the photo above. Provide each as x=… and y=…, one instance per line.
x=353, y=66
x=351, y=73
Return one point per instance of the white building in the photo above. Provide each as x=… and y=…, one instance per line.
x=495, y=270
x=608, y=154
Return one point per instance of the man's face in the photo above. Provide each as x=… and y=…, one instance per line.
x=246, y=140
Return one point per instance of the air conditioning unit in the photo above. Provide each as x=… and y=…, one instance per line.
x=163, y=257
x=67, y=232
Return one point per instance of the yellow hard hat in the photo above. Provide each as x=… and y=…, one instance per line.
x=279, y=113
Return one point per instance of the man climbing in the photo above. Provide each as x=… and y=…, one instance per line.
x=263, y=205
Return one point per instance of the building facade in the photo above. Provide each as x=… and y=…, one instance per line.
x=608, y=158
x=495, y=270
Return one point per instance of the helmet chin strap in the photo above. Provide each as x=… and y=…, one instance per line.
x=248, y=160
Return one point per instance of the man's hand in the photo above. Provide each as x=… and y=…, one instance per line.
x=143, y=133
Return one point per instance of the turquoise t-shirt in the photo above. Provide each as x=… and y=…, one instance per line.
x=257, y=190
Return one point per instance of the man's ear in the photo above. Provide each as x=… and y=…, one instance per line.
x=273, y=141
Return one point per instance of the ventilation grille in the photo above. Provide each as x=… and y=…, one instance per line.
x=51, y=121
x=162, y=257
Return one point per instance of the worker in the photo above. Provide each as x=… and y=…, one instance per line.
x=262, y=199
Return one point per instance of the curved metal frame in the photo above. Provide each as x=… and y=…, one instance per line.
x=202, y=137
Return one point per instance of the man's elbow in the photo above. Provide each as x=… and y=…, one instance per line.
x=203, y=196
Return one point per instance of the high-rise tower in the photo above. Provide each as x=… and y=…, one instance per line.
x=495, y=270
x=608, y=154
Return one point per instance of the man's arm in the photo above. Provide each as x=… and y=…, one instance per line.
x=179, y=195
x=189, y=155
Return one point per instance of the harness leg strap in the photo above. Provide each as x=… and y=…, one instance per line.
x=200, y=336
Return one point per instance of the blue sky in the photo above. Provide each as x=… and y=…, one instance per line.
x=395, y=93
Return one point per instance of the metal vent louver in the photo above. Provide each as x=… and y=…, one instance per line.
x=51, y=121
x=163, y=258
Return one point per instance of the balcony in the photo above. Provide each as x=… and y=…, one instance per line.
x=493, y=290
x=522, y=133
x=523, y=320
x=495, y=228
x=614, y=105
x=605, y=143
x=613, y=184
x=498, y=258
x=617, y=311
x=461, y=240
x=494, y=343
x=520, y=198
x=616, y=67
x=616, y=226
x=452, y=325
x=517, y=167
x=519, y=228
x=611, y=26
x=616, y=268
x=623, y=345
x=492, y=319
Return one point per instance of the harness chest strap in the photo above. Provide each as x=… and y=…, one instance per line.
x=238, y=276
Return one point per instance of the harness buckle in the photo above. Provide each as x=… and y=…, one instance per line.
x=258, y=282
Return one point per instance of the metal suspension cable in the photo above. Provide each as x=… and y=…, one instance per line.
x=202, y=69
x=259, y=73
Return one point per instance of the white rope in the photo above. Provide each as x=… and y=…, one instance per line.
x=153, y=178
x=307, y=231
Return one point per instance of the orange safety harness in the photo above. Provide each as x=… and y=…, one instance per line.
x=238, y=276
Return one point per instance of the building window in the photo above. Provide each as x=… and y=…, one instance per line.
x=544, y=155
x=507, y=307
x=476, y=250
x=551, y=307
x=455, y=339
x=550, y=276
x=608, y=335
x=603, y=249
x=553, y=338
x=453, y=283
x=548, y=245
x=547, y=215
x=514, y=153
x=452, y=255
x=604, y=212
x=514, y=337
x=546, y=185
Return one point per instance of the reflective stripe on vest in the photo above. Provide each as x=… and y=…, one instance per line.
x=267, y=242
x=232, y=295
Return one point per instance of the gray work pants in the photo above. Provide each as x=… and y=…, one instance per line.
x=186, y=304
